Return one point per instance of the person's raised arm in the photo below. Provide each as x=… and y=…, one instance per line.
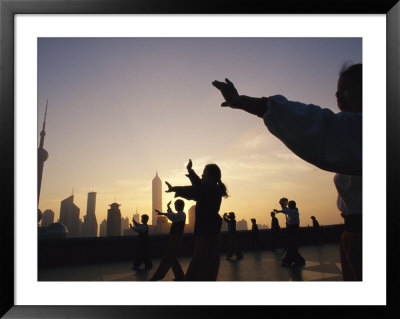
x=253, y=105
x=194, y=178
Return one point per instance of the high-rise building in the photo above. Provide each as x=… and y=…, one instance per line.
x=42, y=154
x=103, y=228
x=156, y=198
x=114, y=220
x=163, y=226
x=69, y=216
x=90, y=221
x=47, y=217
x=124, y=224
x=241, y=225
x=191, y=215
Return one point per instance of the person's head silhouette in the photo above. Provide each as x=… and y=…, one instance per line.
x=179, y=205
x=292, y=204
x=349, y=89
x=145, y=218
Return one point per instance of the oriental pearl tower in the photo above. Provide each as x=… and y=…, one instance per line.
x=42, y=154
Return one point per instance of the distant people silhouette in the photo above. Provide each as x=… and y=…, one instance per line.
x=230, y=219
x=175, y=237
x=275, y=231
x=292, y=227
x=207, y=191
x=255, y=236
x=328, y=140
x=142, y=253
x=315, y=222
x=316, y=228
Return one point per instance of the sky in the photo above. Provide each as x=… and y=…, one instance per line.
x=121, y=110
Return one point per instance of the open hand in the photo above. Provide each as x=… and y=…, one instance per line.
x=189, y=165
x=169, y=187
x=229, y=93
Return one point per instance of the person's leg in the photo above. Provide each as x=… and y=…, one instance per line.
x=198, y=262
x=291, y=247
x=146, y=257
x=351, y=256
x=166, y=260
x=236, y=245
x=177, y=269
x=230, y=252
x=174, y=247
x=213, y=258
x=138, y=258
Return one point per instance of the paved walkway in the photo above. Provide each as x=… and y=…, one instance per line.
x=322, y=264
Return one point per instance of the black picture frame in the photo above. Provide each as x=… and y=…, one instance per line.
x=9, y=8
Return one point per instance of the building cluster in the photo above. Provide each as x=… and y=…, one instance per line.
x=115, y=224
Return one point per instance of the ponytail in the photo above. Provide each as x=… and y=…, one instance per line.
x=222, y=188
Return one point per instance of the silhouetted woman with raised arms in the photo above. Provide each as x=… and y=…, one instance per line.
x=207, y=191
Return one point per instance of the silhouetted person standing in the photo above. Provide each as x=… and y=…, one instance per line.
x=175, y=238
x=315, y=223
x=275, y=231
x=207, y=191
x=292, y=227
x=230, y=219
x=255, y=235
x=316, y=229
x=142, y=254
x=330, y=141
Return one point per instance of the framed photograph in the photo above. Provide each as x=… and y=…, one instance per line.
x=126, y=90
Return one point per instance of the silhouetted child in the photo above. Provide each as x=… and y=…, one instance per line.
x=230, y=219
x=292, y=227
x=207, y=191
x=275, y=231
x=142, y=253
x=175, y=237
x=255, y=235
x=328, y=140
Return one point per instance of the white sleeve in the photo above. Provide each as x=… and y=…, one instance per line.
x=330, y=141
x=176, y=217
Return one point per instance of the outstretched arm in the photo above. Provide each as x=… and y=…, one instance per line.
x=253, y=105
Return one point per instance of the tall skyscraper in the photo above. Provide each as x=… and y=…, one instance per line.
x=191, y=215
x=124, y=224
x=114, y=220
x=47, y=217
x=90, y=221
x=69, y=216
x=103, y=228
x=42, y=154
x=163, y=226
x=156, y=198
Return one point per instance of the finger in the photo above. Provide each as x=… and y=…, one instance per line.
x=229, y=82
x=219, y=85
